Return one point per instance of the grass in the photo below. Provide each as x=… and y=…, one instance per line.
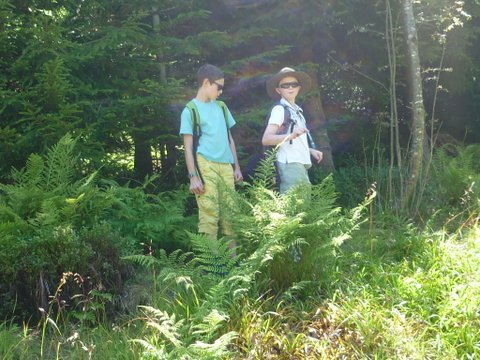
x=405, y=296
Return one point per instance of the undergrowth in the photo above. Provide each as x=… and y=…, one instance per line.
x=308, y=279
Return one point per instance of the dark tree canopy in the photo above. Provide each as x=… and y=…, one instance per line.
x=117, y=73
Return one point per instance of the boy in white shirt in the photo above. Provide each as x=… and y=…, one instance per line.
x=294, y=153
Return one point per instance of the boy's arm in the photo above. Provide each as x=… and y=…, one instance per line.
x=270, y=137
x=237, y=174
x=196, y=185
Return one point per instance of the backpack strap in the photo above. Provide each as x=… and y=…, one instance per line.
x=197, y=132
x=289, y=122
x=287, y=119
x=224, y=108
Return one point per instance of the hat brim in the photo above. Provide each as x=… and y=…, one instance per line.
x=302, y=77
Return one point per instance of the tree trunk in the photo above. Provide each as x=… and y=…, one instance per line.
x=417, y=107
x=313, y=107
x=169, y=155
x=143, y=162
x=317, y=123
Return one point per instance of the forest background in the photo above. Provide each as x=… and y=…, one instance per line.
x=96, y=219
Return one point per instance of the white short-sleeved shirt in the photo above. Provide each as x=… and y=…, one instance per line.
x=297, y=150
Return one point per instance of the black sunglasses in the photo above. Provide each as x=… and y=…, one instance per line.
x=289, y=85
x=219, y=86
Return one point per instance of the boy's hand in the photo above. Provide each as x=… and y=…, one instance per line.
x=297, y=132
x=196, y=186
x=237, y=175
x=316, y=155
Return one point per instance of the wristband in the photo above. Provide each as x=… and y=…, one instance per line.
x=192, y=174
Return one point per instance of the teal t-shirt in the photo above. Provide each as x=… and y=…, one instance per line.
x=214, y=144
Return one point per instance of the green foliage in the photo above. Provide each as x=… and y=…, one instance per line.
x=309, y=281
x=455, y=174
x=192, y=286
x=54, y=220
x=165, y=341
x=155, y=220
x=455, y=181
x=207, y=284
x=299, y=230
x=41, y=220
x=412, y=302
x=96, y=70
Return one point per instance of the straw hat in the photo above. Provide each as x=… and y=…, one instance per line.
x=302, y=77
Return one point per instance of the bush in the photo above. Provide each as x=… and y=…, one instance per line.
x=53, y=220
x=453, y=191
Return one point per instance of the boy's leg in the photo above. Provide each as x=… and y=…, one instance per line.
x=292, y=174
x=208, y=209
x=226, y=187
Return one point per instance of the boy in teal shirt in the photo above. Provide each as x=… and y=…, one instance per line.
x=215, y=160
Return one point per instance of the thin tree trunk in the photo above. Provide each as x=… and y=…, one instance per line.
x=169, y=154
x=418, y=110
x=313, y=107
x=395, y=149
x=143, y=162
x=317, y=123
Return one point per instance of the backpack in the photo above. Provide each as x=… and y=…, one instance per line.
x=285, y=127
x=197, y=131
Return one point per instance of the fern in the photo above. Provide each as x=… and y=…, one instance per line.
x=60, y=166
x=165, y=342
x=216, y=350
x=268, y=227
x=454, y=175
x=177, y=262
x=214, y=256
x=265, y=174
x=150, y=218
x=31, y=175
x=272, y=228
x=44, y=215
x=164, y=324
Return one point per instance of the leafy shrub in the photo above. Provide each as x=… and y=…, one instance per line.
x=155, y=220
x=455, y=182
x=55, y=220
x=209, y=283
x=43, y=217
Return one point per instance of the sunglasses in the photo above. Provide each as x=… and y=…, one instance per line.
x=293, y=85
x=219, y=86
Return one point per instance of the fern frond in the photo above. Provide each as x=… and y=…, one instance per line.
x=152, y=351
x=291, y=294
x=60, y=165
x=32, y=174
x=214, y=256
x=142, y=260
x=217, y=350
x=163, y=323
x=210, y=323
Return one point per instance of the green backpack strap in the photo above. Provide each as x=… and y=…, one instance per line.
x=195, y=116
x=197, y=132
x=224, y=108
